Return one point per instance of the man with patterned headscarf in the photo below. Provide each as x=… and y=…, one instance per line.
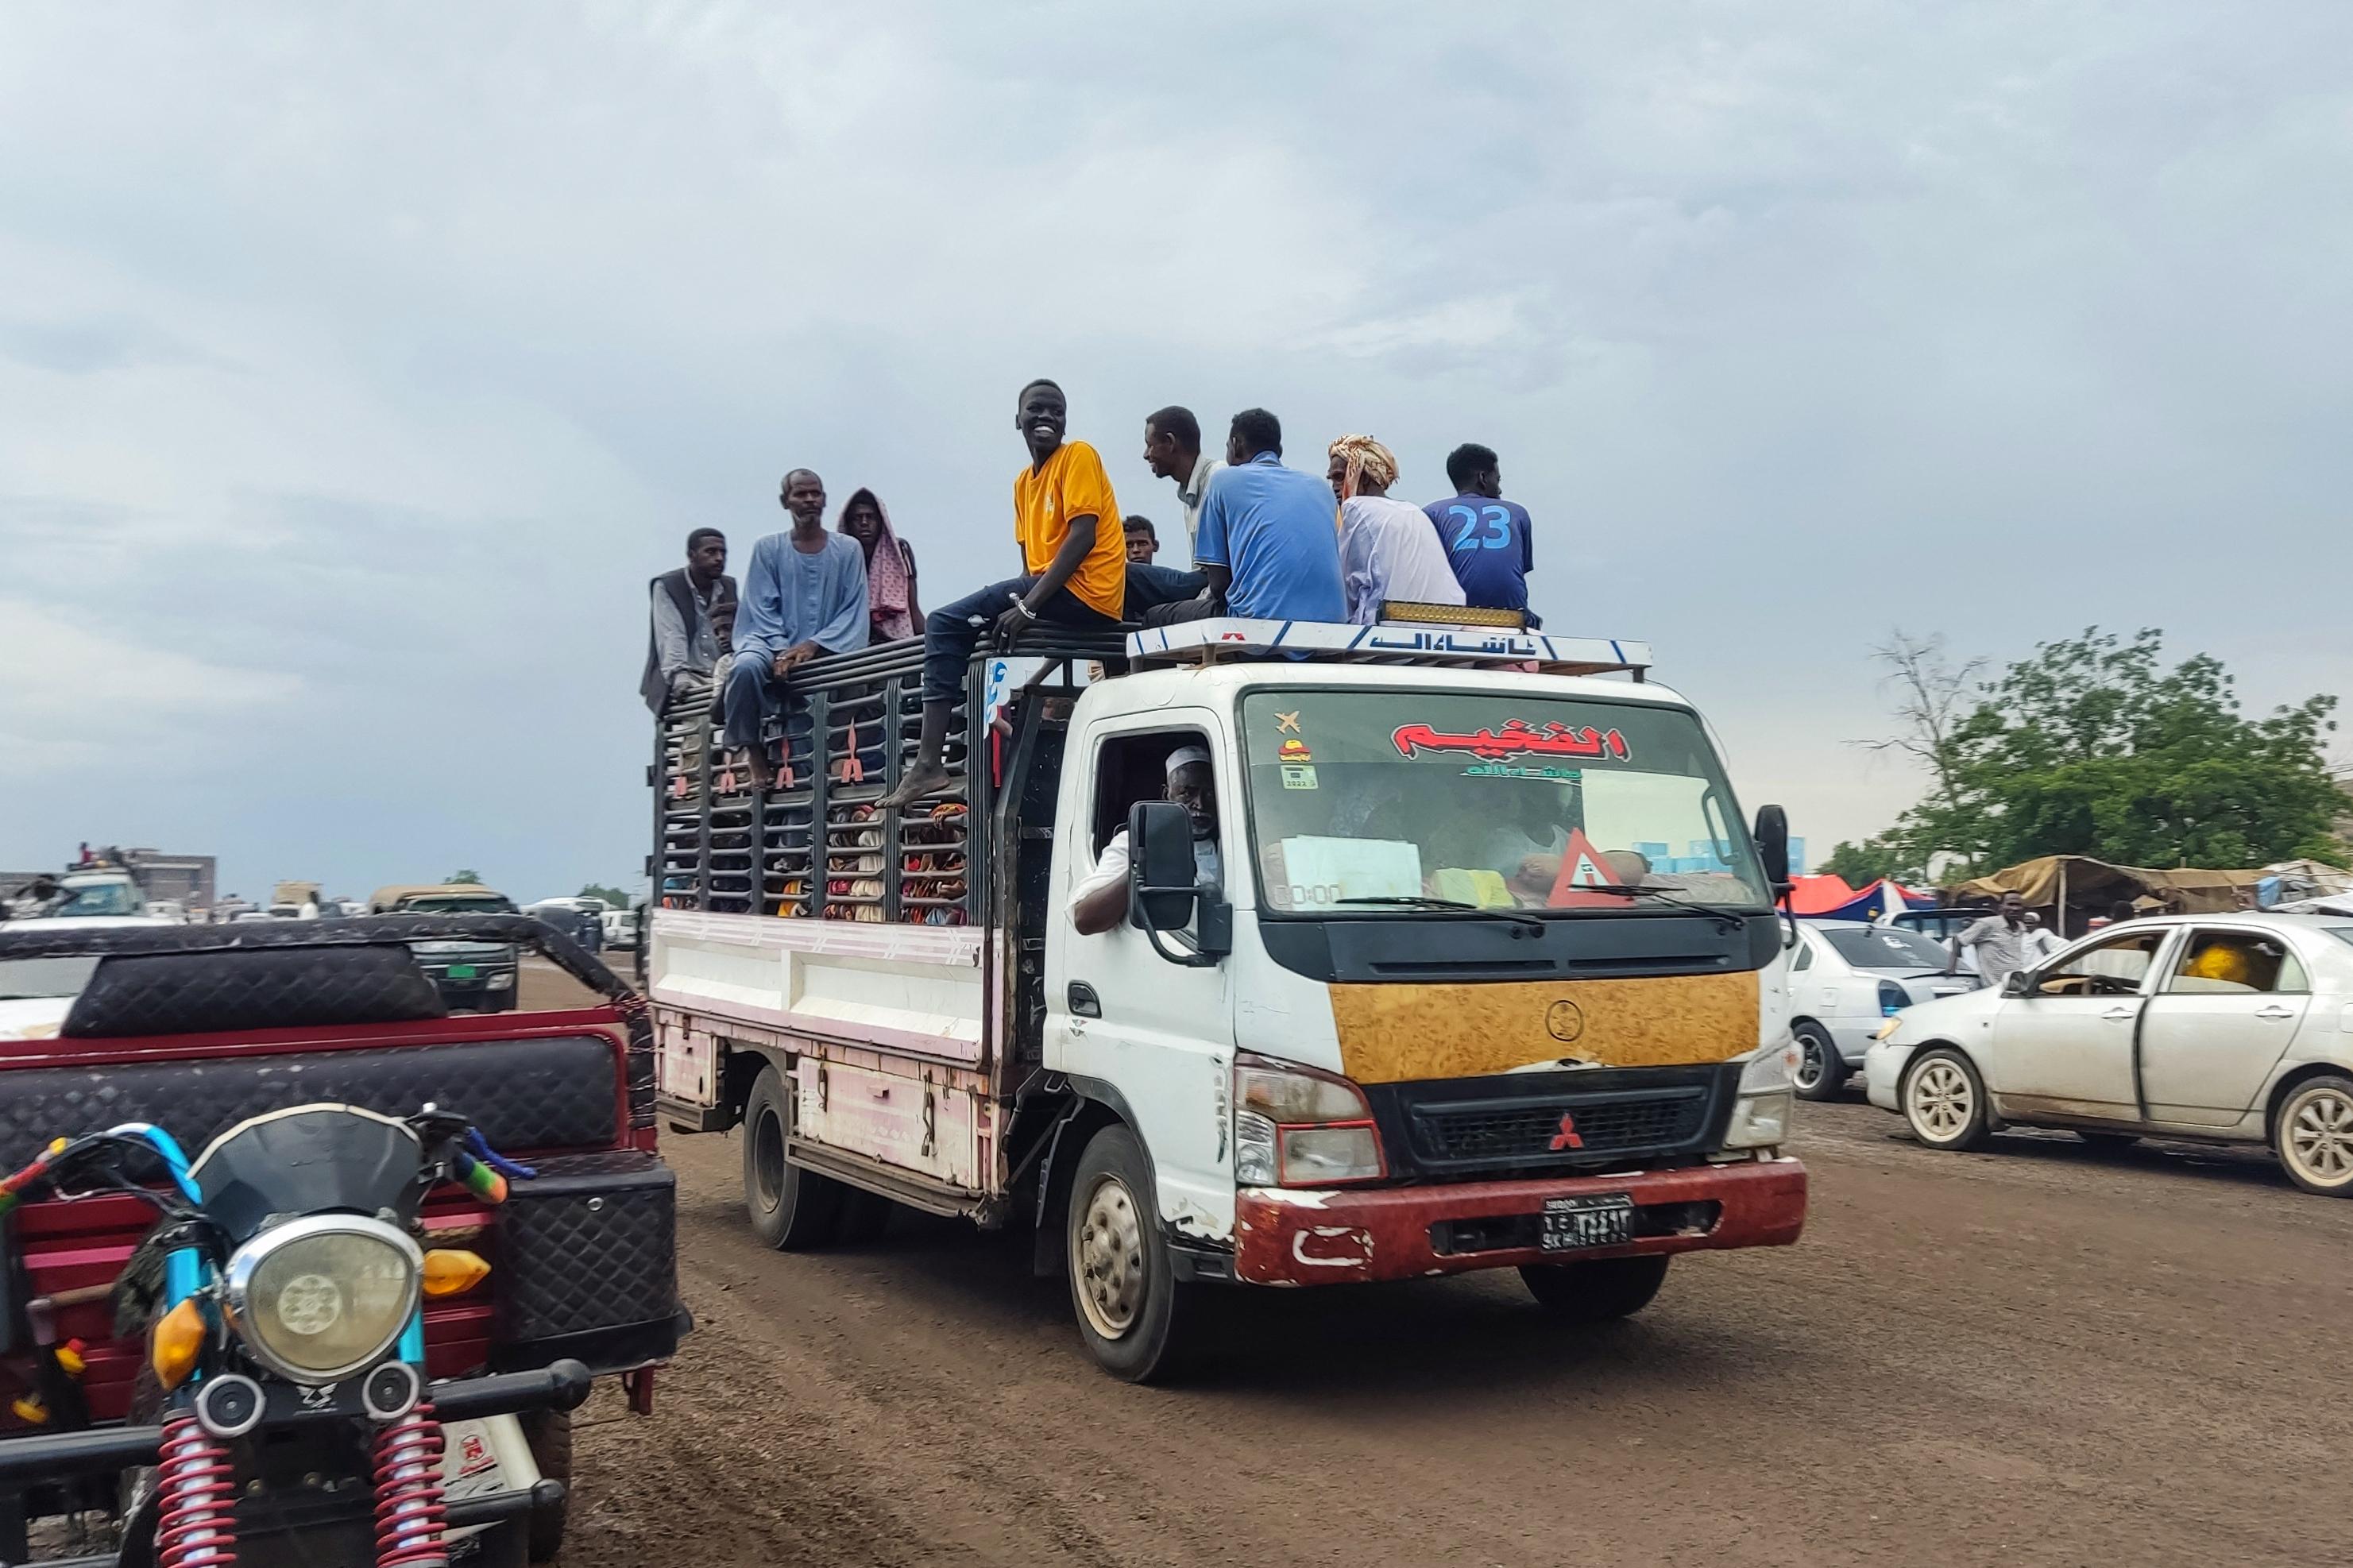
x=1388, y=552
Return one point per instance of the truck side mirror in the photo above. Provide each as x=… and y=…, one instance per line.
x=1160, y=867
x=1773, y=844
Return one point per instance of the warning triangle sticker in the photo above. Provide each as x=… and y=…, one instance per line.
x=1582, y=868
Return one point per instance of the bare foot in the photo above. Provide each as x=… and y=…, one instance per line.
x=764, y=772
x=918, y=783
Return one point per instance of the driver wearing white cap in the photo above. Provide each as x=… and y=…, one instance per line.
x=1100, y=901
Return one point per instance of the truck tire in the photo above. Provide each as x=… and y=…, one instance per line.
x=1598, y=1290
x=792, y=1209
x=1131, y=1311
x=549, y=1433
x=1822, y=1071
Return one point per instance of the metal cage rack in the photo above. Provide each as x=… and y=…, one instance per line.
x=816, y=844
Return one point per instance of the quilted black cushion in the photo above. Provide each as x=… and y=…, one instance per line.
x=137, y=994
x=591, y=1244
x=523, y=1094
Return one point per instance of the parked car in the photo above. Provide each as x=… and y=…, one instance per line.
x=2220, y=1028
x=1940, y=926
x=472, y=977
x=1846, y=979
x=576, y=917
x=620, y=928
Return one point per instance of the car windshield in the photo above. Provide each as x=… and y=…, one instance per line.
x=1396, y=802
x=457, y=904
x=25, y=978
x=100, y=899
x=1883, y=947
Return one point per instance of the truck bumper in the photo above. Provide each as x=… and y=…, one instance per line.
x=1338, y=1237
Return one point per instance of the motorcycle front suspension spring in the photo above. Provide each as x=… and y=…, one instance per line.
x=409, y=1508
x=196, y=1521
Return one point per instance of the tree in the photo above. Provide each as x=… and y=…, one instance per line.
x=1865, y=863
x=467, y=876
x=2092, y=747
x=612, y=896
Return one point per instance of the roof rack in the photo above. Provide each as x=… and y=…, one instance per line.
x=1389, y=642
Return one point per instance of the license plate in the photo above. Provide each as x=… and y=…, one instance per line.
x=461, y=971
x=1607, y=1220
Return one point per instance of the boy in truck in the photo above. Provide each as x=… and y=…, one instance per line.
x=1075, y=574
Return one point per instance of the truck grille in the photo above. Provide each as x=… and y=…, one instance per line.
x=1528, y=1132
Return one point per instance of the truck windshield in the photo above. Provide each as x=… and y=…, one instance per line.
x=457, y=904
x=101, y=899
x=1381, y=802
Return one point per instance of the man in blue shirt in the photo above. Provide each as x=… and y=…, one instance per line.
x=1270, y=540
x=1488, y=540
x=803, y=594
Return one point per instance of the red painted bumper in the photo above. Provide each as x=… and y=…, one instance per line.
x=1402, y=1233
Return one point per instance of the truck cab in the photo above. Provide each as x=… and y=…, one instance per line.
x=1467, y=962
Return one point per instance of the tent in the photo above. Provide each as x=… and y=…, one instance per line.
x=1830, y=898
x=2302, y=880
x=2088, y=887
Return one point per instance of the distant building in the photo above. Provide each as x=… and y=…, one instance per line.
x=186, y=879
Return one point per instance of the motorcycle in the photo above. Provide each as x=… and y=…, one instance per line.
x=284, y=1415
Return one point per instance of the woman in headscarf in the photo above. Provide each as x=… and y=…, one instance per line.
x=890, y=569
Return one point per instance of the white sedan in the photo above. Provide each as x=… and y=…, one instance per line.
x=2228, y=1028
x=1846, y=979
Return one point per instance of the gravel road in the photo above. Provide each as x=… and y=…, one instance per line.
x=2040, y=1354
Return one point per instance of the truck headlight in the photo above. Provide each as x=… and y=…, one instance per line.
x=318, y=1299
x=1294, y=1127
x=1763, y=1103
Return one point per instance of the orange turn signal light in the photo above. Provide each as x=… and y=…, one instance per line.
x=453, y=1271
x=176, y=1343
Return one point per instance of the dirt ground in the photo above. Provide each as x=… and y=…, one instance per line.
x=2039, y=1355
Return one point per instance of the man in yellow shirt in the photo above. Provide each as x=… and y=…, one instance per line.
x=1073, y=565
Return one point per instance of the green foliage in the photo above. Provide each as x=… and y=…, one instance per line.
x=467, y=875
x=612, y=896
x=2093, y=747
x=1862, y=864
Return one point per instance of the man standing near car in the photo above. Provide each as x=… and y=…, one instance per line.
x=1998, y=942
x=684, y=643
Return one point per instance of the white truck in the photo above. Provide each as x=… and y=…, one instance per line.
x=1432, y=994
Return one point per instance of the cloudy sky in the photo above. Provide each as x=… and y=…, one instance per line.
x=358, y=364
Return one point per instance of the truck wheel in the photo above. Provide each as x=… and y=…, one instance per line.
x=1822, y=1071
x=1598, y=1291
x=1943, y=1100
x=792, y=1209
x=2313, y=1135
x=549, y=1433
x=1129, y=1306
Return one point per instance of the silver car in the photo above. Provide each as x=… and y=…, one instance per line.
x=2223, y=1028
x=1846, y=979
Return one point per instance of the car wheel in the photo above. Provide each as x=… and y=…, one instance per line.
x=1822, y=1071
x=791, y=1208
x=1598, y=1290
x=1131, y=1313
x=1943, y=1100
x=2313, y=1135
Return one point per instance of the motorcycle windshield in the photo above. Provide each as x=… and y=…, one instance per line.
x=311, y=1159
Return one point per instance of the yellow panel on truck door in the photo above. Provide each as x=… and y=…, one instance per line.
x=1400, y=1034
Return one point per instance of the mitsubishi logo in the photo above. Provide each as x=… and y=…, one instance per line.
x=1566, y=1138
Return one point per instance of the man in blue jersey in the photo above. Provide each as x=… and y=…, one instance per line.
x=1488, y=540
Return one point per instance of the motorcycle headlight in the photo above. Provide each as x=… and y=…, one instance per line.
x=318, y=1299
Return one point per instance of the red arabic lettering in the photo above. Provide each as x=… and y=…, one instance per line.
x=1516, y=738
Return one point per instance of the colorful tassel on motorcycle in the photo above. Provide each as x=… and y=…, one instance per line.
x=481, y=1180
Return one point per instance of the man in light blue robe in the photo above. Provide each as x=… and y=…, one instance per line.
x=803, y=595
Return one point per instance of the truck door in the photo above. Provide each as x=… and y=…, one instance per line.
x=1152, y=1038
